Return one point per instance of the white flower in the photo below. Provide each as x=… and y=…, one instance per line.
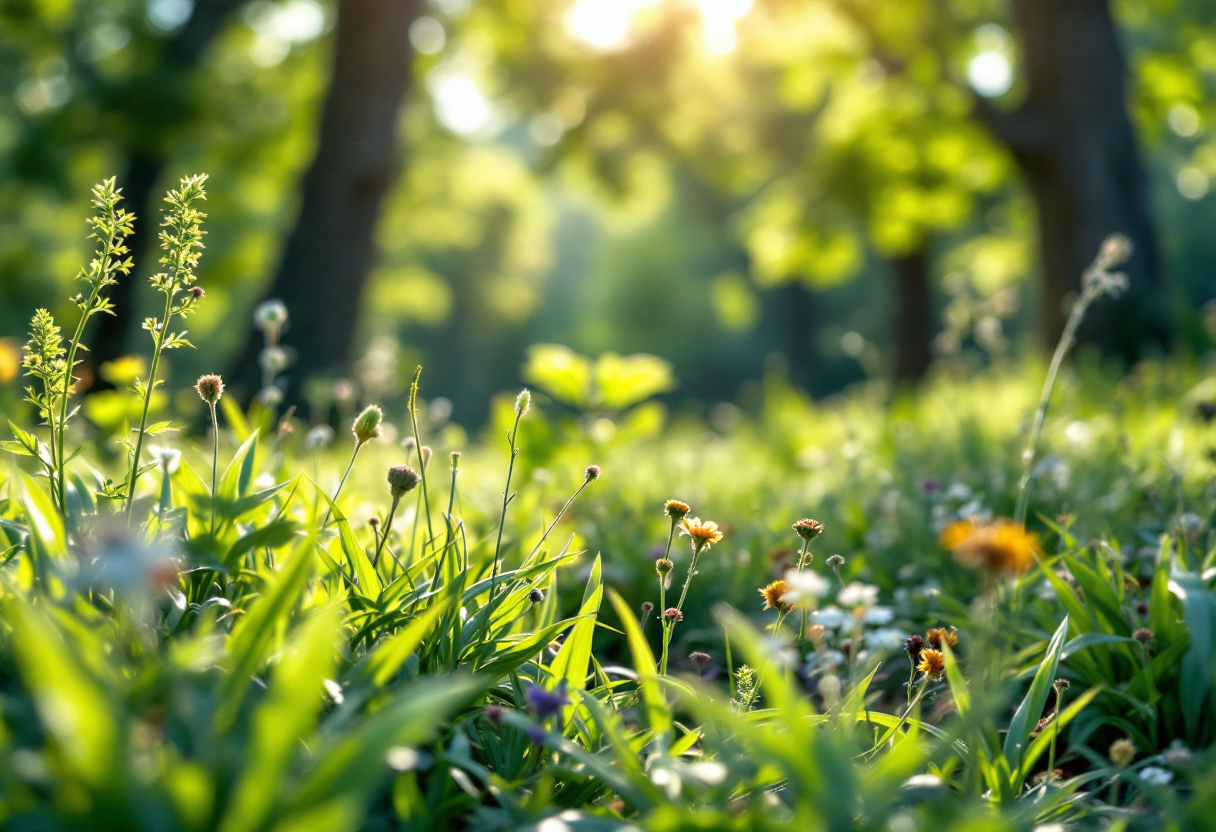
x=805, y=585
x=888, y=638
x=923, y=781
x=710, y=772
x=270, y=313
x=1156, y=775
x=831, y=658
x=169, y=458
x=857, y=595
x=878, y=615
x=319, y=437
x=830, y=617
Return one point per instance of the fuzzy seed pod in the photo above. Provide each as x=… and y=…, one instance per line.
x=210, y=388
x=401, y=478
x=367, y=424
x=1122, y=752
x=699, y=657
x=663, y=566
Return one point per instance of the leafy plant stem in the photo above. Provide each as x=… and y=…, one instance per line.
x=143, y=418
x=506, y=500
x=413, y=407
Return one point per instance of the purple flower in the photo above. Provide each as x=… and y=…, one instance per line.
x=929, y=485
x=546, y=703
x=536, y=734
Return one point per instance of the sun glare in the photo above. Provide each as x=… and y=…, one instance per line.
x=607, y=25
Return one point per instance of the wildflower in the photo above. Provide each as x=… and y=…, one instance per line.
x=535, y=595
x=937, y=635
x=1122, y=752
x=647, y=607
x=857, y=594
x=672, y=614
x=836, y=561
x=536, y=734
x=676, y=510
x=169, y=458
x=318, y=437
x=913, y=645
x=270, y=315
x=932, y=664
x=1156, y=776
x=886, y=638
x=1177, y=754
x=830, y=617
x=805, y=585
x=591, y=474
x=774, y=596
x=1144, y=635
x=699, y=657
x=816, y=632
x=808, y=529
x=997, y=546
x=402, y=478
x=367, y=424
x=663, y=566
x=210, y=388
x=878, y=615
x=197, y=292
x=546, y=703
x=1061, y=684
x=522, y=402
x=702, y=534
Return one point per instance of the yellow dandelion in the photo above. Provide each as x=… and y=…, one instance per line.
x=996, y=546
x=703, y=533
x=932, y=663
x=774, y=596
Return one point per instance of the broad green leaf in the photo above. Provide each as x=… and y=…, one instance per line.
x=388, y=656
x=236, y=476
x=571, y=662
x=1199, y=604
x=654, y=703
x=1026, y=717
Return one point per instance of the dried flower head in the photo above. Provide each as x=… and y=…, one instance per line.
x=591, y=474
x=367, y=424
x=808, y=529
x=676, y=510
x=535, y=595
x=937, y=635
x=673, y=614
x=402, y=479
x=1122, y=752
x=774, y=596
x=647, y=607
x=932, y=664
x=373, y=521
x=913, y=645
x=1143, y=635
x=703, y=534
x=999, y=546
x=210, y=388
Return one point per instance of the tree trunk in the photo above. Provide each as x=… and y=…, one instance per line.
x=142, y=173
x=1073, y=140
x=913, y=330
x=331, y=250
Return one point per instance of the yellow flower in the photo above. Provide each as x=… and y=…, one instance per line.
x=703, y=534
x=997, y=546
x=937, y=635
x=932, y=663
x=774, y=596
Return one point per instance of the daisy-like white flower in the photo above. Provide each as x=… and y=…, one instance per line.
x=805, y=585
x=857, y=594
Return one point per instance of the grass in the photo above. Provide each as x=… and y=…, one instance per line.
x=251, y=652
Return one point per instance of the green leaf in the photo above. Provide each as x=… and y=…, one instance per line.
x=1026, y=717
x=1199, y=605
x=573, y=658
x=388, y=656
x=239, y=471
x=654, y=703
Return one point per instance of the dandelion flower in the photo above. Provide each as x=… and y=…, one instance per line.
x=932, y=664
x=774, y=596
x=937, y=635
x=703, y=534
x=1001, y=546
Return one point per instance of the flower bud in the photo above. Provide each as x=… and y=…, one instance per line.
x=197, y=292
x=1144, y=635
x=672, y=614
x=591, y=474
x=1122, y=752
x=210, y=388
x=401, y=478
x=535, y=595
x=522, y=402
x=367, y=424
x=663, y=566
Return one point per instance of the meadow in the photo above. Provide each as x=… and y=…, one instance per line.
x=895, y=609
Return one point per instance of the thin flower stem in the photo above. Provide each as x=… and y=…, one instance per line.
x=1055, y=731
x=670, y=627
x=663, y=598
x=59, y=432
x=341, y=482
x=388, y=526
x=506, y=500
x=215, y=455
x=143, y=419
x=413, y=407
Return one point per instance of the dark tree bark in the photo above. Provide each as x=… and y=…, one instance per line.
x=1073, y=140
x=912, y=315
x=144, y=166
x=331, y=250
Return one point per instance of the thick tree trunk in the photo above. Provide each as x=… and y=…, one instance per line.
x=332, y=249
x=913, y=330
x=1073, y=140
x=142, y=173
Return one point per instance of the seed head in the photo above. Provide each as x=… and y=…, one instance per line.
x=374, y=522
x=913, y=645
x=808, y=529
x=836, y=561
x=1061, y=684
x=522, y=402
x=367, y=424
x=647, y=608
x=663, y=566
x=591, y=474
x=210, y=388
x=672, y=614
x=197, y=292
x=455, y=460
x=699, y=657
x=676, y=510
x=535, y=595
x=1122, y=752
x=1144, y=635
x=270, y=314
x=401, y=478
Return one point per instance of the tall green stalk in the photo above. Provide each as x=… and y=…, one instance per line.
x=426, y=500
x=181, y=238
x=522, y=402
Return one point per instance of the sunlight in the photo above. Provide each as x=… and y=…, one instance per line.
x=718, y=18
x=460, y=104
x=609, y=24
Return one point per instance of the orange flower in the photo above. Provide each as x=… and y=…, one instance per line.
x=774, y=596
x=937, y=635
x=703, y=534
x=997, y=546
x=932, y=663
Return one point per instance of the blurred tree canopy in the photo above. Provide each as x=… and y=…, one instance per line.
x=857, y=185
